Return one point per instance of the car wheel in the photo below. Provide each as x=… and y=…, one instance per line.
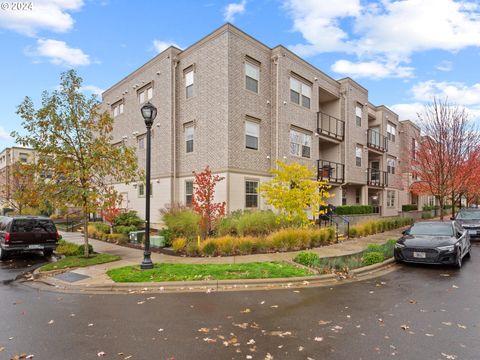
x=468, y=255
x=47, y=252
x=3, y=254
x=458, y=263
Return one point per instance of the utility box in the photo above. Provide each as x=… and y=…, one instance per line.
x=136, y=237
x=157, y=241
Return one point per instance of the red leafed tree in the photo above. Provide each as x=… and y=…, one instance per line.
x=111, y=210
x=445, y=159
x=203, y=200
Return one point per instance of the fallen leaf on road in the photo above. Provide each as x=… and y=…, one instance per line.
x=412, y=301
x=274, y=306
x=250, y=342
x=445, y=275
x=31, y=356
x=51, y=322
x=318, y=338
x=300, y=348
x=202, y=330
x=140, y=302
x=323, y=322
x=247, y=310
x=449, y=357
x=280, y=333
x=447, y=323
x=90, y=325
x=101, y=353
x=262, y=302
x=242, y=325
x=405, y=327
x=429, y=335
x=2, y=348
x=461, y=326
x=209, y=340
x=268, y=357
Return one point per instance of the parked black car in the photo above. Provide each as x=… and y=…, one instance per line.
x=27, y=233
x=434, y=242
x=469, y=219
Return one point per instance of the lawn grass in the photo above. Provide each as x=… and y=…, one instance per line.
x=79, y=261
x=188, y=272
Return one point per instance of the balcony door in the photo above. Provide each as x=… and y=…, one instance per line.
x=375, y=136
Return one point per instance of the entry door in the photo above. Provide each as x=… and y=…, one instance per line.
x=375, y=136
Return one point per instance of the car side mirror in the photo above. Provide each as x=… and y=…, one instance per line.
x=452, y=218
x=405, y=232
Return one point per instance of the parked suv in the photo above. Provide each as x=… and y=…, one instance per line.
x=26, y=233
x=469, y=218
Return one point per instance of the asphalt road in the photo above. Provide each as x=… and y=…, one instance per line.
x=416, y=312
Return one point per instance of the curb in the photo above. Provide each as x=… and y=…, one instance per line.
x=47, y=282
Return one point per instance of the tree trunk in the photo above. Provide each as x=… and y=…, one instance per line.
x=453, y=204
x=85, y=233
x=440, y=200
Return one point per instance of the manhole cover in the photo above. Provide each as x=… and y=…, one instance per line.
x=71, y=277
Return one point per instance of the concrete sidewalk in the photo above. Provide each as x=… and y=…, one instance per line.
x=96, y=275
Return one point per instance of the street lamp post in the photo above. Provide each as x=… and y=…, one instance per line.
x=149, y=112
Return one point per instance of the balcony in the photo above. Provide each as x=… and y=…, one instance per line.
x=376, y=141
x=330, y=171
x=330, y=126
x=377, y=177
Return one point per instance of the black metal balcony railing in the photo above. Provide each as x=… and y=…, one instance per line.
x=330, y=126
x=330, y=171
x=377, y=177
x=376, y=141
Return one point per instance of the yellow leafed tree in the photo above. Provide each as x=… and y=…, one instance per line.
x=294, y=192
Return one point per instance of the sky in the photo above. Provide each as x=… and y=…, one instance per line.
x=404, y=52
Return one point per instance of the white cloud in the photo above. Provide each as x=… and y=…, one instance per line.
x=4, y=135
x=408, y=111
x=160, y=45
x=456, y=92
x=51, y=15
x=385, y=28
x=445, y=66
x=58, y=52
x=372, y=69
x=92, y=89
x=233, y=9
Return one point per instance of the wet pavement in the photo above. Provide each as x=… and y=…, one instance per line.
x=17, y=264
x=416, y=312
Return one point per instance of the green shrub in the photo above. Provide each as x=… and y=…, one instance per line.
x=81, y=249
x=181, y=221
x=286, y=239
x=353, y=209
x=257, y=223
x=409, y=207
x=117, y=238
x=100, y=227
x=167, y=234
x=124, y=229
x=375, y=226
x=179, y=244
x=246, y=245
x=192, y=248
x=426, y=216
x=310, y=259
x=372, y=258
x=209, y=248
x=67, y=248
x=129, y=218
x=226, y=245
x=374, y=248
x=227, y=226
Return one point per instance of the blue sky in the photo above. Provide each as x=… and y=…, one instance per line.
x=403, y=52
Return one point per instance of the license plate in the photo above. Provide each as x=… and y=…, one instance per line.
x=419, y=255
x=472, y=232
x=35, y=247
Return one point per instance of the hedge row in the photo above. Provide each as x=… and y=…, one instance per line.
x=409, y=207
x=353, y=209
x=282, y=240
x=376, y=226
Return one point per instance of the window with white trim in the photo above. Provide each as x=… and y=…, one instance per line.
x=251, y=194
x=391, y=131
x=300, y=92
x=390, y=198
x=358, y=155
x=142, y=189
x=300, y=143
x=117, y=109
x=189, y=192
x=189, y=83
x=189, y=132
x=252, y=76
x=252, y=131
x=414, y=148
x=141, y=97
x=391, y=162
x=23, y=157
x=358, y=115
x=141, y=142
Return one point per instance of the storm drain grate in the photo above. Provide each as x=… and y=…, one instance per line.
x=71, y=277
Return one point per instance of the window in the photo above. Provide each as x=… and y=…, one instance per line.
x=252, y=75
x=188, y=192
x=300, y=93
x=390, y=198
x=252, y=130
x=300, y=144
x=145, y=94
x=391, y=132
x=150, y=93
x=189, y=83
x=23, y=157
x=358, y=115
x=251, y=194
x=391, y=166
x=357, y=196
x=117, y=109
x=141, y=142
x=189, y=138
x=141, y=97
x=414, y=149
x=142, y=191
x=344, y=196
x=358, y=155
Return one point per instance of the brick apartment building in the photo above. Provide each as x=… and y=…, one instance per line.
x=8, y=157
x=235, y=104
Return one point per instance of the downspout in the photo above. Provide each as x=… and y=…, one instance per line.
x=174, y=131
x=277, y=107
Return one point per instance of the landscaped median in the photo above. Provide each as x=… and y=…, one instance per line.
x=73, y=257
x=205, y=272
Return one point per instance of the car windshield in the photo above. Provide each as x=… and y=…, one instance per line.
x=32, y=225
x=468, y=215
x=434, y=229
